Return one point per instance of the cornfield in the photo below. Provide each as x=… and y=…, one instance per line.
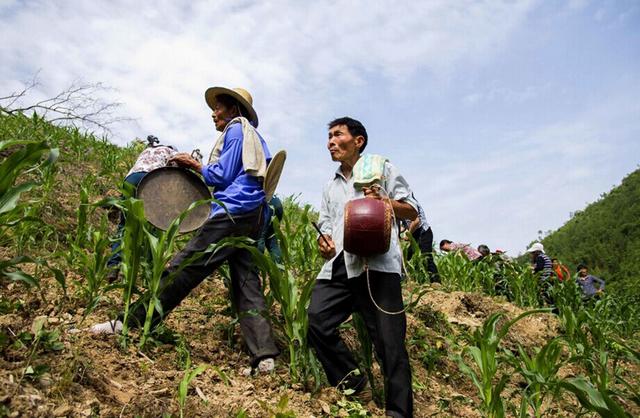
x=590, y=367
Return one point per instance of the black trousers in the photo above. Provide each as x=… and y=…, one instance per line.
x=246, y=289
x=332, y=302
x=424, y=238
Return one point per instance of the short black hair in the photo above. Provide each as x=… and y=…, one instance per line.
x=484, y=250
x=444, y=242
x=355, y=127
x=554, y=259
x=580, y=267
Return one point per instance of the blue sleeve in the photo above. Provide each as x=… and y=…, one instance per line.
x=600, y=282
x=222, y=173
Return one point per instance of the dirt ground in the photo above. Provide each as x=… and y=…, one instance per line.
x=93, y=376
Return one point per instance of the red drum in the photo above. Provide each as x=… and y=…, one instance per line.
x=367, y=227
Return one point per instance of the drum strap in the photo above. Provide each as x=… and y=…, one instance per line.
x=366, y=269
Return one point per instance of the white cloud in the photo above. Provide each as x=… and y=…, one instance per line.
x=293, y=56
x=302, y=61
x=505, y=195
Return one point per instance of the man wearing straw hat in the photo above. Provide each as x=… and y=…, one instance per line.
x=236, y=168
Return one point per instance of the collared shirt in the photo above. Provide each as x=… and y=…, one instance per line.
x=422, y=217
x=335, y=195
x=152, y=158
x=239, y=191
x=588, y=285
x=471, y=253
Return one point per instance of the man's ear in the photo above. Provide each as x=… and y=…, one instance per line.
x=359, y=141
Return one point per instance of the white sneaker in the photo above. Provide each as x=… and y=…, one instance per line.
x=109, y=327
x=266, y=365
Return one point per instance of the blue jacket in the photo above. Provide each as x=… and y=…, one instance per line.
x=587, y=284
x=240, y=192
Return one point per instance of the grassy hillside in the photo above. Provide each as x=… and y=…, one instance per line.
x=605, y=236
x=477, y=345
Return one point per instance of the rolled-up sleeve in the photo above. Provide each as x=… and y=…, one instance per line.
x=397, y=186
x=224, y=171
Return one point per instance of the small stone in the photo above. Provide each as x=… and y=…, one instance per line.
x=45, y=380
x=62, y=411
x=325, y=407
x=54, y=320
x=67, y=316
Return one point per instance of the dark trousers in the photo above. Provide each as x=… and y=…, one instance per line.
x=424, y=238
x=245, y=283
x=332, y=302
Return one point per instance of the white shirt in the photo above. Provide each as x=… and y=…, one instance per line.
x=335, y=195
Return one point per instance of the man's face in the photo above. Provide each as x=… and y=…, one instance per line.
x=554, y=263
x=222, y=115
x=446, y=247
x=583, y=272
x=342, y=145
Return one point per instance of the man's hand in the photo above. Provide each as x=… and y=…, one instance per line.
x=372, y=191
x=327, y=249
x=185, y=160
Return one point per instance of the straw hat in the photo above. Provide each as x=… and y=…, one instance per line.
x=240, y=94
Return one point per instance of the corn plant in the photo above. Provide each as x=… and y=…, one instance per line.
x=456, y=272
x=24, y=157
x=366, y=355
x=92, y=267
x=162, y=245
x=183, y=387
x=416, y=265
x=480, y=361
x=291, y=283
x=540, y=372
x=593, y=399
x=133, y=249
x=521, y=283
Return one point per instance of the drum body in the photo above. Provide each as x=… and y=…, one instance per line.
x=169, y=191
x=367, y=227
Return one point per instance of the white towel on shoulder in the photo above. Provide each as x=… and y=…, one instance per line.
x=254, y=161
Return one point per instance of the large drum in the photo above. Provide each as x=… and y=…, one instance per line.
x=169, y=191
x=367, y=227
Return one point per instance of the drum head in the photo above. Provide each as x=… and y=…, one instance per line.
x=272, y=176
x=169, y=191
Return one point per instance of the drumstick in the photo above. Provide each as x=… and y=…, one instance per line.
x=315, y=225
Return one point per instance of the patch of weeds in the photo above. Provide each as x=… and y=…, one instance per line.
x=183, y=355
x=73, y=372
x=430, y=353
x=433, y=319
x=7, y=306
x=348, y=408
x=242, y=413
x=33, y=373
x=280, y=410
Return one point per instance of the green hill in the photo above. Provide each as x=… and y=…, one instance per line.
x=476, y=347
x=605, y=236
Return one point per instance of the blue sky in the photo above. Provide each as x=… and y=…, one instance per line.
x=504, y=116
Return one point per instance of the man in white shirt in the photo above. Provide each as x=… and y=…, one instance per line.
x=345, y=285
